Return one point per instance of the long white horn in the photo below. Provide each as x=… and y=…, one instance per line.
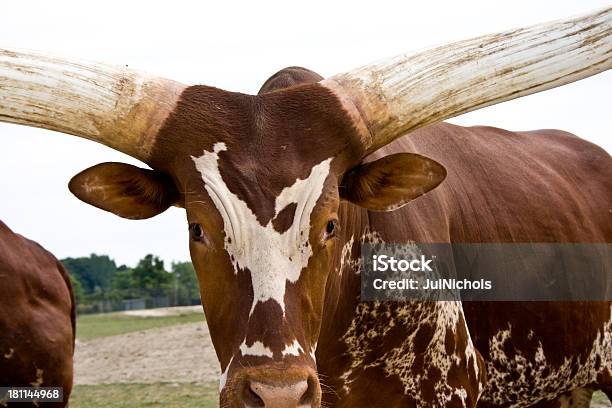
x=113, y=105
x=396, y=95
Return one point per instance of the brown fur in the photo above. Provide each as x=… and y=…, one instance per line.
x=37, y=336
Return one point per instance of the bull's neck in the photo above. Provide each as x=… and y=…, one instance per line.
x=392, y=339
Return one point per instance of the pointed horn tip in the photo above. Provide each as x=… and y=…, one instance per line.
x=396, y=95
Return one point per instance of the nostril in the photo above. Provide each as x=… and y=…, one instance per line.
x=251, y=396
x=309, y=394
x=278, y=395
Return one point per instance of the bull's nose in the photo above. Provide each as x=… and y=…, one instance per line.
x=278, y=395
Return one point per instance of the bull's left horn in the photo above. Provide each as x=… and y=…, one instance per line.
x=116, y=106
x=397, y=95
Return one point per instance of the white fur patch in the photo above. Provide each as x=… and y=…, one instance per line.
x=313, y=351
x=39, y=378
x=537, y=379
x=223, y=378
x=293, y=349
x=256, y=349
x=273, y=258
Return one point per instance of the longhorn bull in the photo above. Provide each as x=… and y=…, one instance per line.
x=281, y=188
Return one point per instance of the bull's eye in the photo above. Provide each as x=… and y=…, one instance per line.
x=331, y=229
x=196, y=232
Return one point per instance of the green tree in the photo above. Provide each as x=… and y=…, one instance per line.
x=185, y=286
x=97, y=278
x=77, y=289
x=94, y=273
x=124, y=286
x=151, y=276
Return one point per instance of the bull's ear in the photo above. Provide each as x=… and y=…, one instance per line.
x=125, y=190
x=391, y=182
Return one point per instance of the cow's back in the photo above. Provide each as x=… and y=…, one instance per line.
x=37, y=323
x=541, y=186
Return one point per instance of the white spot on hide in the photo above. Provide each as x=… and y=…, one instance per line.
x=293, y=349
x=223, y=378
x=313, y=351
x=39, y=378
x=537, y=378
x=257, y=349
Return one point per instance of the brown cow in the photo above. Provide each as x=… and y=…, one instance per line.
x=281, y=188
x=37, y=323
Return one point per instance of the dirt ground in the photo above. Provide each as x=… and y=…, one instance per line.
x=182, y=353
x=175, y=354
x=164, y=311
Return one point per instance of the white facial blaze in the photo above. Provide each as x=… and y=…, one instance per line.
x=273, y=258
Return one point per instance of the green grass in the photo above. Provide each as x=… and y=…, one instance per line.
x=109, y=324
x=169, y=395
x=165, y=395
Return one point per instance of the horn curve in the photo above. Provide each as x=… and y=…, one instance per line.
x=392, y=97
x=116, y=106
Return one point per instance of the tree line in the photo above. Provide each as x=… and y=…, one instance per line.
x=100, y=285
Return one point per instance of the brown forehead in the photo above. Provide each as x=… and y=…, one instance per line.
x=272, y=139
x=305, y=122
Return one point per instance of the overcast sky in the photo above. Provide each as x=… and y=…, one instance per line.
x=236, y=46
